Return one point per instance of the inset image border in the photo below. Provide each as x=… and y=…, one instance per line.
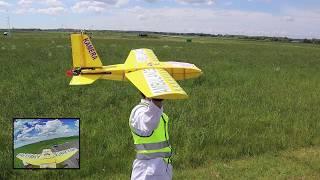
x=46, y=143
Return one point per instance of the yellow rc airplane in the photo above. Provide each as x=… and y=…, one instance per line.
x=153, y=78
x=47, y=159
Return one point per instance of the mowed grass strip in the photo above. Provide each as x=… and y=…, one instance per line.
x=301, y=163
x=254, y=98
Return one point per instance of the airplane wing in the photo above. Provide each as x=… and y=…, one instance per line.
x=33, y=159
x=37, y=159
x=65, y=154
x=156, y=83
x=140, y=56
x=181, y=70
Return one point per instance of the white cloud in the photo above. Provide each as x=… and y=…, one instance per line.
x=49, y=7
x=207, y=20
x=22, y=128
x=25, y=3
x=151, y=1
x=291, y=22
x=89, y=6
x=50, y=126
x=288, y=18
x=51, y=10
x=48, y=11
x=117, y=3
x=4, y=5
x=53, y=3
x=142, y=17
x=25, y=138
x=97, y=6
x=77, y=123
x=18, y=124
x=265, y=1
x=24, y=6
x=48, y=3
x=54, y=127
x=197, y=2
x=23, y=10
x=194, y=2
x=26, y=129
x=32, y=122
x=66, y=130
x=43, y=131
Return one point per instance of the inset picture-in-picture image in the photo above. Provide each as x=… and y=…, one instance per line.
x=46, y=143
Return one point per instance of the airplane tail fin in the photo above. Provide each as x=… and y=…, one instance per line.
x=83, y=53
x=84, y=56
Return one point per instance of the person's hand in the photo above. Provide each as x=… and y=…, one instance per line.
x=157, y=102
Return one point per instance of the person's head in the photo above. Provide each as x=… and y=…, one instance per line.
x=157, y=102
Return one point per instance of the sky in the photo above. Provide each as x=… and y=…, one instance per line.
x=291, y=18
x=29, y=131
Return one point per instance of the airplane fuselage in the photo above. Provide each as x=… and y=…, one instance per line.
x=179, y=71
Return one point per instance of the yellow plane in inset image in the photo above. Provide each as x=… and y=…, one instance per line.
x=47, y=159
x=153, y=78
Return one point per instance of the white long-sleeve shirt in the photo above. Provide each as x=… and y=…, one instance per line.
x=144, y=119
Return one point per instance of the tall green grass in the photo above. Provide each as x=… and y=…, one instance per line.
x=253, y=98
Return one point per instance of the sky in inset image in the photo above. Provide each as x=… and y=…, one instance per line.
x=29, y=131
x=291, y=18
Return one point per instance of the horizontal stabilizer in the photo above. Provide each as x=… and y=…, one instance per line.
x=84, y=79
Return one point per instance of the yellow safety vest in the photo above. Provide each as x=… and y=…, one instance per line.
x=155, y=145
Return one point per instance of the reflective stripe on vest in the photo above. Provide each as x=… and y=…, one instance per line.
x=153, y=155
x=152, y=146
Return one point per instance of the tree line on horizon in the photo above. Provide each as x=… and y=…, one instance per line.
x=147, y=33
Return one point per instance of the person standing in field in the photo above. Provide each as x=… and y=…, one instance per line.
x=149, y=128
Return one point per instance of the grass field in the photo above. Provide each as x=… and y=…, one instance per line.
x=36, y=148
x=253, y=114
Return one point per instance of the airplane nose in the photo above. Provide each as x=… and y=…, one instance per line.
x=69, y=73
